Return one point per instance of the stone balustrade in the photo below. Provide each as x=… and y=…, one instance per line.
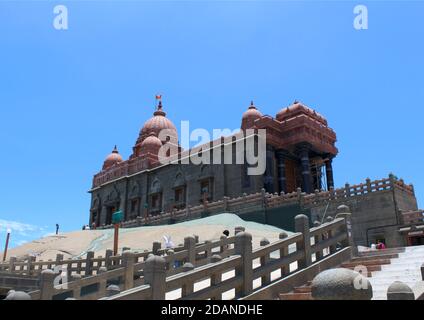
x=274, y=261
x=261, y=200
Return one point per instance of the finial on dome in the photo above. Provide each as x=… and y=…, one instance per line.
x=296, y=101
x=252, y=105
x=115, y=149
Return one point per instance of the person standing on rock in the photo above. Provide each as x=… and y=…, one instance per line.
x=57, y=228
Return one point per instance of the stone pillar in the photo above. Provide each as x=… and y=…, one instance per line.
x=301, y=223
x=190, y=246
x=284, y=251
x=264, y=260
x=329, y=173
x=155, y=276
x=216, y=278
x=156, y=247
x=306, y=169
x=422, y=271
x=128, y=259
x=281, y=170
x=269, y=172
x=108, y=261
x=243, y=247
x=343, y=211
x=30, y=265
x=12, y=261
x=47, y=284
x=89, y=263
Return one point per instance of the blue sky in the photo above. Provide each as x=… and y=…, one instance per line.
x=67, y=97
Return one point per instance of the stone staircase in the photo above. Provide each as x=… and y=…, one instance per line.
x=375, y=262
x=406, y=268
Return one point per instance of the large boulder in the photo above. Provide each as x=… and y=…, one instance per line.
x=341, y=284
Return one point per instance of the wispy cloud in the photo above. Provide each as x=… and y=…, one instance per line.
x=21, y=232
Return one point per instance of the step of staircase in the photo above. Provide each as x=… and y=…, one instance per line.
x=304, y=289
x=380, y=252
x=371, y=262
x=295, y=296
x=382, y=256
x=370, y=269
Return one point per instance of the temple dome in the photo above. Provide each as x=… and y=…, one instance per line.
x=250, y=116
x=112, y=159
x=158, y=122
x=151, y=144
x=298, y=108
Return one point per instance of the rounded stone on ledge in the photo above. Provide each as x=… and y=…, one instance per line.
x=112, y=290
x=283, y=235
x=17, y=295
x=187, y=267
x=329, y=219
x=264, y=242
x=400, y=291
x=216, y=258
x=317, y=223
x=341, y=284
x=343, y=209
x=102, y=270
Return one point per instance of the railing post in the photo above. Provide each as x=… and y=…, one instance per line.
x=58, y=260
x=89, y=263
x=224, y=245
x=47, y=284
x=301, y=222
x=216, y=278
x=264, y=260
x=368, y=182
x=128, y=263
x=12, y=261
x=422, y=271
x=190, y=246
x=30, y=266
x=208, y=251
x=243, y=247
x=108, y=260
x=347, y=189
x=156, y=247
x=343, y=211
x=155, y=276
x=284, y=251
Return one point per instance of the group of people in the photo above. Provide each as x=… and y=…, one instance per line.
x=379, y=246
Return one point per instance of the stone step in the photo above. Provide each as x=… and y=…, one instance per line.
x=304, y=289
x=295, y=296
x=370, y=269
x=383, y=256
x=373, y=262
x=381, y=252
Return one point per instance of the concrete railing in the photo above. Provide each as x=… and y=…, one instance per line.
x=91, y=265
x=238, y=273
x=260, y=200
x=126, y=270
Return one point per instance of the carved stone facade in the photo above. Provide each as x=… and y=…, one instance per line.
x=300, y=148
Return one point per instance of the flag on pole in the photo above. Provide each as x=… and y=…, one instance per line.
x=158, y=97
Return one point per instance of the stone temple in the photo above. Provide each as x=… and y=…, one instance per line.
x=300, y=147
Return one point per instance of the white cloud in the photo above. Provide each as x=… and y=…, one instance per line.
x=21, y=232
x=20, y=228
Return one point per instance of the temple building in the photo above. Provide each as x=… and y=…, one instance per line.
x=300, y=147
